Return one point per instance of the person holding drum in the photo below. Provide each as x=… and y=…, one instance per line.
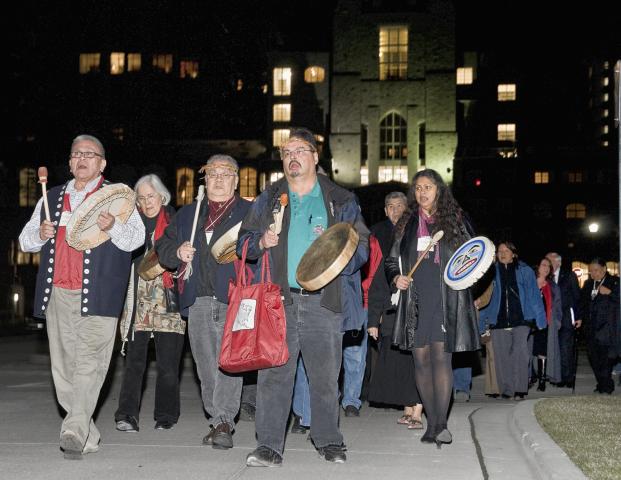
x=515, y=308
x=432, y=319
x=203, y=295
x=151, y=311
x=81, y=293
x=315, y=319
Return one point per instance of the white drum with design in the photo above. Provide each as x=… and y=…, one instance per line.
x=469, y=263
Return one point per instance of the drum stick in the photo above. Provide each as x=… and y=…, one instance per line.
x=199, y=199
x=276, y=227
x=43, y=181
x=434, y=241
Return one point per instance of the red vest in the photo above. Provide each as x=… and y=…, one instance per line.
x=68, y=269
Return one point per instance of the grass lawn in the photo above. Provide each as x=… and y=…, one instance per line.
x=588, y=429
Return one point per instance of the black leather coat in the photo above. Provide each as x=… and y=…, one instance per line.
x=460, y=318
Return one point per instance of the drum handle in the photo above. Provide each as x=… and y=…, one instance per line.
x=434, y=241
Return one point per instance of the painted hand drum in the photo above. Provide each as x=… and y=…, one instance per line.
x=82, y=229
x=327, y=256
x=223, y=250
x=469, y=263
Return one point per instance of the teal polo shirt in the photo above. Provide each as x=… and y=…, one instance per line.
x=309, y=219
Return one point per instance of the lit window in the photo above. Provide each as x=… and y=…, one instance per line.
x=264, y=88
x=275, y=176
x=605, y=81
x=364, y=176
x=280, y=136
x=606, y=65
x=575, y=210
x=134, y=62
x=605, y=97
x=185, y=186
x=393, y=138
x=117, y=63
x=118, y=133
x=396, y=174
x=89, y=62
x=282, y=112
x=506, y=132
x=188, y=69
x=163, y=62
x=314, y=74
x=605, y=129
x=605, y=113
x=574, y=177
x=17, y=257
x=27, y=187
x=605, y=143
x=282, y=81
x=542, y=177
x=319, y=138
x=248, y=182
x=240, y=85
x=393, y=53
x=465, y=76
x=506, y=92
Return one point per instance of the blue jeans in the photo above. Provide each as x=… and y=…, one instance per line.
x=462, y=377
x=354, y=363
x=301, y=395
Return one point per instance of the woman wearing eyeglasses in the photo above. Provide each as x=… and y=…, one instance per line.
x=151, y=312
x=432, y=320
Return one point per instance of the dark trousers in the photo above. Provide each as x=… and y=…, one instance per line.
x=601, y=365
x=314, y=332
x=168, y=350
x=566, y=341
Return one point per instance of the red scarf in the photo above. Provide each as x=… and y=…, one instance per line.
x=546, y=291
x=163, y=219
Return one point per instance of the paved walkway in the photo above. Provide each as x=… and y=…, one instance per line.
x=495, y=439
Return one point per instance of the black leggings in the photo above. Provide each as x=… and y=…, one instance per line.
x=434, y=380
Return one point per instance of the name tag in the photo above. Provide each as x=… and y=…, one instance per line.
x=64, y=219
x=208, y=235
x=423, y=243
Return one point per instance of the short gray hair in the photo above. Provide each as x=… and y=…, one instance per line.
x=155, y=182
x=89, y=138
x=218, y=158
x=396, y=195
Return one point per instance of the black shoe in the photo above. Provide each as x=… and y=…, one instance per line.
x=127, y=424
x=443, y=437
x=569, y=384
x=297, y=427
x=219, y=437
x=264, y=457
x=71, y=445
x=542, y=385
x=164, y=425
x=333, y=453
x=247, y=412
x=518, y=396
x=351, y=411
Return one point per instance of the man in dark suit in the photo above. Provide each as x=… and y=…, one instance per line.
x=570, y=295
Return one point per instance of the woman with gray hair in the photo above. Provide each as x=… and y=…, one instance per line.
x=151, y=311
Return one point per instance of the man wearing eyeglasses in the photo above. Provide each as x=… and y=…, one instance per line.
x=203, y=296
x=315, y=320
x=80, y=293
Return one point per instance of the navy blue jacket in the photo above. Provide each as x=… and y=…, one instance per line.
x=180, y=230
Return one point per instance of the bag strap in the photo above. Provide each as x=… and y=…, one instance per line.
x=241, y=274
x=265, y=268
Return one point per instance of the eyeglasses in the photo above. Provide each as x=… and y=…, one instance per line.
x=225, y=176
x=426, y=188
x=86, y=155
x=285, y=154
x=142, y=199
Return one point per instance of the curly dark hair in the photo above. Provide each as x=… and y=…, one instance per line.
x=449, y=216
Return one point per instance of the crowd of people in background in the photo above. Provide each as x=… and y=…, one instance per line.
x=401, y=337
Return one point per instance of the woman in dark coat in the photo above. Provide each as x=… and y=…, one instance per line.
x=432, y=320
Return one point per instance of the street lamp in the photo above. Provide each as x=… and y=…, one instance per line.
x=593, y=227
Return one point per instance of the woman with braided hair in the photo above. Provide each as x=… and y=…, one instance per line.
x=432, y=321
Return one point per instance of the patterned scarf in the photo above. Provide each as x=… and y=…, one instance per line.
x=423, y=231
